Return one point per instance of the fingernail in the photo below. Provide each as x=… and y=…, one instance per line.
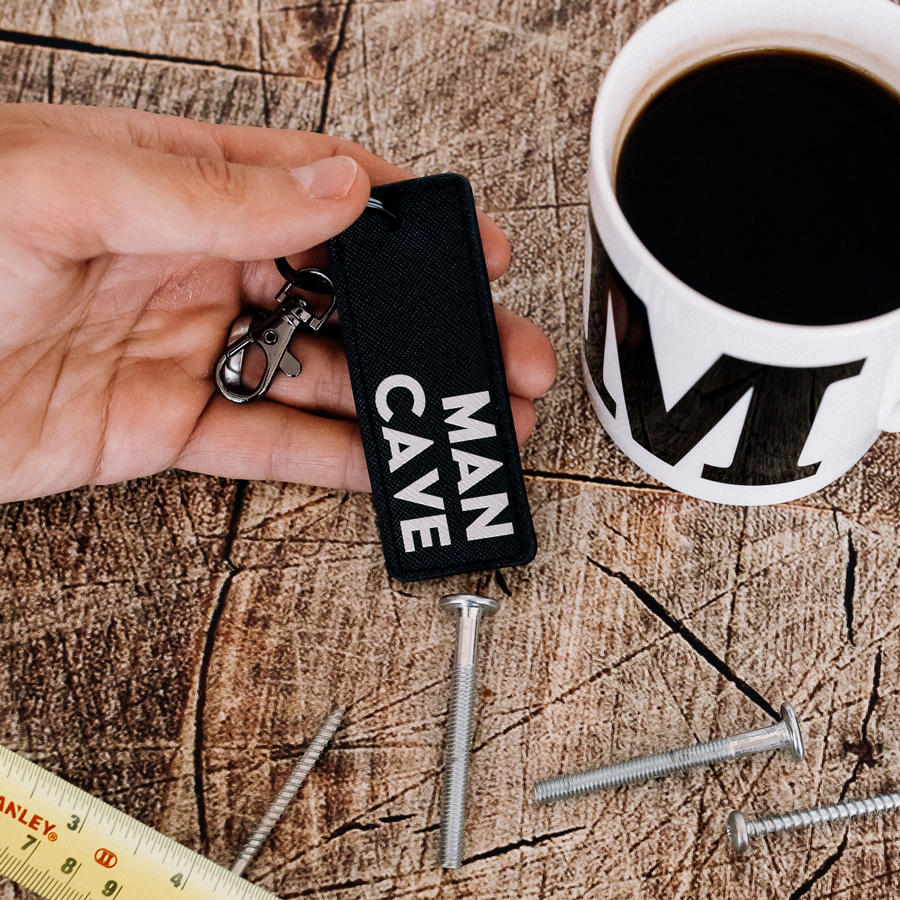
x=327, y=179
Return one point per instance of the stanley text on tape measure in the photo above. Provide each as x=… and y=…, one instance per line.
x=63, y=844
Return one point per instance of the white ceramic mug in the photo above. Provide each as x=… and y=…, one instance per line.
x=763, y=443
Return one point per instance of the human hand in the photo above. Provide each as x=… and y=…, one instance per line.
x=129, y=243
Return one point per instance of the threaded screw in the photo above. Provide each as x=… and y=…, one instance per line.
x=740, y=830
x=785, y=734
x=286, y=794
x=468, y=609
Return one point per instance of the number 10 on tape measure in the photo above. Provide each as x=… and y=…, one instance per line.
x=63, y=844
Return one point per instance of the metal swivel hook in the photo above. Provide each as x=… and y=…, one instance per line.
x=274, y=334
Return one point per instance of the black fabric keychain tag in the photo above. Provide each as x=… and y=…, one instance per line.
x=415, y=305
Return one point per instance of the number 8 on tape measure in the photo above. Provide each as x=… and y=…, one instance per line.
x=63, y=844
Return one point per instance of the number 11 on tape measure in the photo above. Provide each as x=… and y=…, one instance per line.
x=63, y=844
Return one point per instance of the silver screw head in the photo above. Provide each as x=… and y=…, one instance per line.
x=452, y=603
x=737, y=831
x=789, y=717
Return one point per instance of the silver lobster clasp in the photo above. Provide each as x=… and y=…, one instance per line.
x=273, y=334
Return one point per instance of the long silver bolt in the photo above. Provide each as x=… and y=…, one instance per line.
x=740, y=830
x=785, y=734
x=468, y=609
x=286, y=794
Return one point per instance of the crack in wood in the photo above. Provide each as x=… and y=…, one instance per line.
x=267, y=114
x=881, y=876
x=821, y=872
x=677, y=627
x=367, y=826
x=352, y=826
x=51, y=61
x=518, y=845
x=604, y=482
x=850, y=587
x=206, y=660
x=300, y=516
x=330, y=66
x=428, y=776
x=48, y=42
x=864, y=749
x=501, y=583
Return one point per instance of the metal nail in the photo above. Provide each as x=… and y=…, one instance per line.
x=286, y=794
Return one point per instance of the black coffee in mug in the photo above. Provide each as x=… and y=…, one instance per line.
x=769, y=181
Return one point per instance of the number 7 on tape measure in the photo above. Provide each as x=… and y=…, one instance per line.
x=63, y=844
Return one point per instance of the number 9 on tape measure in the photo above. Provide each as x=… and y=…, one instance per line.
x=63, y=844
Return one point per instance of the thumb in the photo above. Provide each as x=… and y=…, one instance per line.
x=115, y=199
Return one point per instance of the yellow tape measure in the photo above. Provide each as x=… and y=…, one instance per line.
x=63, y=844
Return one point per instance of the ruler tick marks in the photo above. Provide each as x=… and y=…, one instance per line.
x=52, y=844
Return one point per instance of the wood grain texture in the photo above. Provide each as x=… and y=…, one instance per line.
x=36, y=74
x=272, y=36
x=172, y=644
x=224, y=31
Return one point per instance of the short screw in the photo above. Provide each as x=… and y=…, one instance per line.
x=785, y=734
x=740, y=830
x=286, y=794
x=468, y=609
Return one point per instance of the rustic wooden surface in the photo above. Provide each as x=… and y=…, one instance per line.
x=171, y=644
